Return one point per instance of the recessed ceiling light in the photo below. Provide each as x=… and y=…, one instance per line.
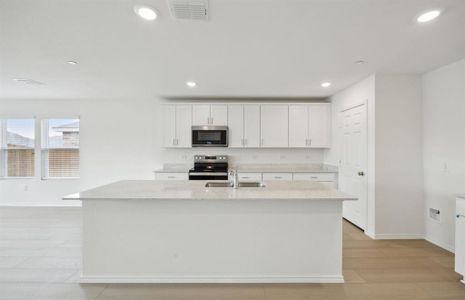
x=191, y=84
x=428, y=16
x=360, y=62
x=326, y=84
x=145, y=12
x=72, y=62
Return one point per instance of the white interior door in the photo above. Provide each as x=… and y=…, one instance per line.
x=236, y=125
x=353, y=162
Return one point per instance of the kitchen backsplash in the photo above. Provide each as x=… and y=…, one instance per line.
x=279, y=156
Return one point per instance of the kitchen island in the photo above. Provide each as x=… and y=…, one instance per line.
x=182, y=231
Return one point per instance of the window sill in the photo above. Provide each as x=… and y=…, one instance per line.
x=16, y=178
x=60, y=178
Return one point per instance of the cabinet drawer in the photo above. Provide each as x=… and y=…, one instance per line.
x=171, y=176
x=250, y=176
x=277, y=176
x=330, y=184
x=315, y=176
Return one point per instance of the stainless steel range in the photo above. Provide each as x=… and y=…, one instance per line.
x=209, y=167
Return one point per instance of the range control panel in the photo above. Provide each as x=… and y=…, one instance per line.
x=210, y=158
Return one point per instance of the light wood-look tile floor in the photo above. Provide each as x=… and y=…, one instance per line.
x=40, y=259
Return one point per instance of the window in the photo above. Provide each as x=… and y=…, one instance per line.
x=60, y=148
x=17, y=143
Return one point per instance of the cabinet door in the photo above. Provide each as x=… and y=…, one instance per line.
x=171, y=176
x=219, y=114
x=277, y=176
x=201, y=114
x=169, y=125
x=236, y=125
x=252, y=125
x=184, y=125
x=274, y=125
x=320, y=125
x=298, y=126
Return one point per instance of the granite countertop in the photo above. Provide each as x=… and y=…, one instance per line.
x=259, y=168
x=196, y=190
x=286, y=168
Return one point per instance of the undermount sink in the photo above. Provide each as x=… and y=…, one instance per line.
x=252, y=184
x=219, y=184
x=240, y=184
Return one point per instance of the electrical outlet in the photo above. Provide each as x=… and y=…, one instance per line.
x=435, y=214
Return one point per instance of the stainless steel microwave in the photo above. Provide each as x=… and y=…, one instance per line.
x=209, y=136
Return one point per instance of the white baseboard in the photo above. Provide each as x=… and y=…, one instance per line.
x=389, y=236
x=213, y=279
x=447, y=247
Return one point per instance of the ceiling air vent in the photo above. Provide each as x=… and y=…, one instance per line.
x=189, y=9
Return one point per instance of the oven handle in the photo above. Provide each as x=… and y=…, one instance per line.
x=208, y=173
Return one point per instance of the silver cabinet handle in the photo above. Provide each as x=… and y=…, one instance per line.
x=309, y=142
x=245, y=177
x=174, y=142
x=171, y=177
x=459, y=215
x=245, y=142
x=278, y=177
x=361, y=173
x=262, y=142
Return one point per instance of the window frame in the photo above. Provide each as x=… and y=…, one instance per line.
x=44, y=149
x=4, y=149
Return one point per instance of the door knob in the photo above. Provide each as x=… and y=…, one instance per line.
x=361, y=174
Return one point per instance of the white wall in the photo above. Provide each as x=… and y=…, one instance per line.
x=394, y=146
x=362, y=92
x=398, y=161
x=444, y=148
x=120, y=139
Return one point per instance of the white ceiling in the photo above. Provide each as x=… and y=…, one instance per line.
x=248, y=48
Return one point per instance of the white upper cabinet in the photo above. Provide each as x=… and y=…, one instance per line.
x=320, y=125
x=310, y=125
x=219, y=114
x=274, y=125
x=271, y=125
x=236, y=125
x=244, y=125
x=298, y=126
x=201, y=114
x=206, y=114
x=251, y=125
x=177, y=125
x=169, y=125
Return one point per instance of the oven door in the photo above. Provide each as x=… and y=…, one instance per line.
x=208, y=176
x=209, y=136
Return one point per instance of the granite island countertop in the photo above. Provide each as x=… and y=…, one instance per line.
x=196, y=190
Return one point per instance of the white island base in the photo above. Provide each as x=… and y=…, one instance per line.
x=212, y=240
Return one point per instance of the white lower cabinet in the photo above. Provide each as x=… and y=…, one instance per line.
x=249, y=176
x=277, y=176
x=328, y=179
x=460, y=237
x=171, y=176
